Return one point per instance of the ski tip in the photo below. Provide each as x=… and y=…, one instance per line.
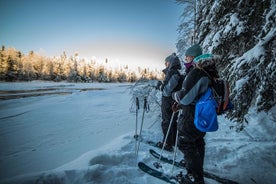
x=141, y=164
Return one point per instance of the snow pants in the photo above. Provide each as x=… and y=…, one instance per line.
x=191, y=143
x=166, y=110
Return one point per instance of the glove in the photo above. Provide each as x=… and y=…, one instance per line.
x=175, y=107
x=158, y=86
x=175, y=97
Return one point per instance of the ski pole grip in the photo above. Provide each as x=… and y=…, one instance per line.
x=137, y=103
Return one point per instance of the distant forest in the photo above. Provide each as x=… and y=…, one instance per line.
x=15, y=66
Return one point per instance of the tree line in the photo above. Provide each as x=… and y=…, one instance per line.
x=15, y=66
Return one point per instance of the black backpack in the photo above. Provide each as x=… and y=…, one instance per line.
x=221, y=92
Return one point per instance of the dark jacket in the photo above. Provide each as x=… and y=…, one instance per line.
x=172, y=78
x=195, y=83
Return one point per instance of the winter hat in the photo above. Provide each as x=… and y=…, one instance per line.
x=194, y=50
x=203, y=57
x=170, y=58
x=175, y=63
x=206, y=60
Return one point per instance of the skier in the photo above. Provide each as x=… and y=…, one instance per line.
x=189, y=64
x=191, y=141
x=170, y=84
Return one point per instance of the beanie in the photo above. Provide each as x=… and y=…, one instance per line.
x=194, y=50
x=203, y=57
x=170, y=58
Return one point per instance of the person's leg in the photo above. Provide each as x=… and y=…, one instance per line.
x=188, y=144
x=172, y=134
x=166, y=115
x=200, y=143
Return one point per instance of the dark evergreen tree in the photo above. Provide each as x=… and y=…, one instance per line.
x=12, y=69
x=3, y=63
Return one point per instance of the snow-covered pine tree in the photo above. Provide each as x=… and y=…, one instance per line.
x=187, y=26
x=243, y=33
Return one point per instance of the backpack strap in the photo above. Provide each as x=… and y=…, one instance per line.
x=211, y=78
x=226, y=94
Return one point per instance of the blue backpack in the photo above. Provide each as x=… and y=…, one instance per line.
x=206, y=112
x=215, y=101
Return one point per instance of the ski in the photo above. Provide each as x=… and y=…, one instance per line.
x=160, y=175
x=180, y=165
x=154, y=144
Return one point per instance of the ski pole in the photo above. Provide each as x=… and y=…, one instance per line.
x=143, y=115
x=157, y=164
x=136, y=124
x=175, y=149
x=167, y=135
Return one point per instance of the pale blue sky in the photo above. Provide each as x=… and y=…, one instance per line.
x=125, y=31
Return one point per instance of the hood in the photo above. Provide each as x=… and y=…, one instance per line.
x=175, y=63
x=208, y=62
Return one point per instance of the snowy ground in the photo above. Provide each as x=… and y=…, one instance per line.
x=83, y=133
